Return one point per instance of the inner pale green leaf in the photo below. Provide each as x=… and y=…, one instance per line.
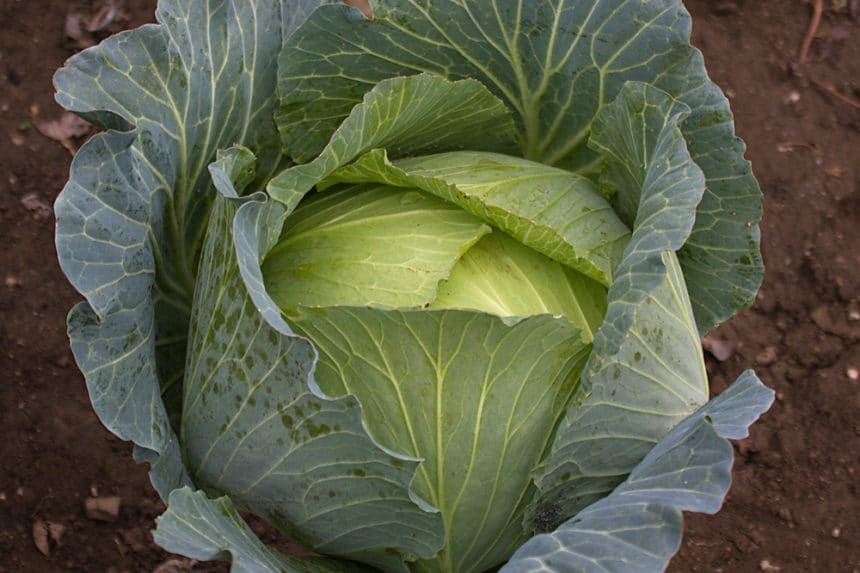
x=368, y=245
x=503, y=277
x=556, y=212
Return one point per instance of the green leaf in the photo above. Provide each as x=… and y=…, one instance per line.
x=646, y=371
x=635, y=395
x=555, y=212
x=113, y=334
x=638, y=527
x=420, y=114
x=234, y=171
x=555, y=64
x=255, y=424
x=718, y=280
x=207, y=529
x=501, y=276
x=368, y=245
x=131, y=219
x=640, y=139
x=474, y=395
x=722, y=257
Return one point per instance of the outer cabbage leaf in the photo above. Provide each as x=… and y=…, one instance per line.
x=256, y=425
x=646, y=371
x=419, y=114
x=206, y=529
x=556, y=64
x=638, y=527
x=477, y=396
x=131, y=219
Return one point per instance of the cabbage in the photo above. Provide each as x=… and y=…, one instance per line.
x=425, y=290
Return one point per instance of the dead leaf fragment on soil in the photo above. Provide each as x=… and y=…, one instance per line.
x=175, y=566
x=33, y=203
x=74, y=29
x=105, y=18
x=102, y=508
x=102, y=18
x=720, y=349
x=68, y=127
x=47, y=535
x=40, y=537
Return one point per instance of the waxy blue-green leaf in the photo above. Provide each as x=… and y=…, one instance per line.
x=640, y=138
x=476, y=396
x=553, y=211
x=555, y=64
x=255, y=425
x=131, y=219
x=407, y=116
x=209, y=529
x=637, y=528
x=635, y=127
x=113, y=334
x=646, y=371
x=368, y=245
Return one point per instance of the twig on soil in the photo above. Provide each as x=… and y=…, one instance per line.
x=831, y=89
x=818, y=9
x=786, y=146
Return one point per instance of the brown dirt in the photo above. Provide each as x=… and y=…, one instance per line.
x=794, y=506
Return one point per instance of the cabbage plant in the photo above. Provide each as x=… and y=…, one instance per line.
x=424, y=289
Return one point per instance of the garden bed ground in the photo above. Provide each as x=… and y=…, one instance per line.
x=794, y=505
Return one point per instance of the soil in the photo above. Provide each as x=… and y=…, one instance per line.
x=794, y=505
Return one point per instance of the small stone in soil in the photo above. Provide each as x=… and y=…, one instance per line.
x=852, y=373
x=767, y=356
x=136, y=539
x=102, y=508
x=766, y=565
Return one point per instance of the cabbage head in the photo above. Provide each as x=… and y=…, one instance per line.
x=424, y=289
